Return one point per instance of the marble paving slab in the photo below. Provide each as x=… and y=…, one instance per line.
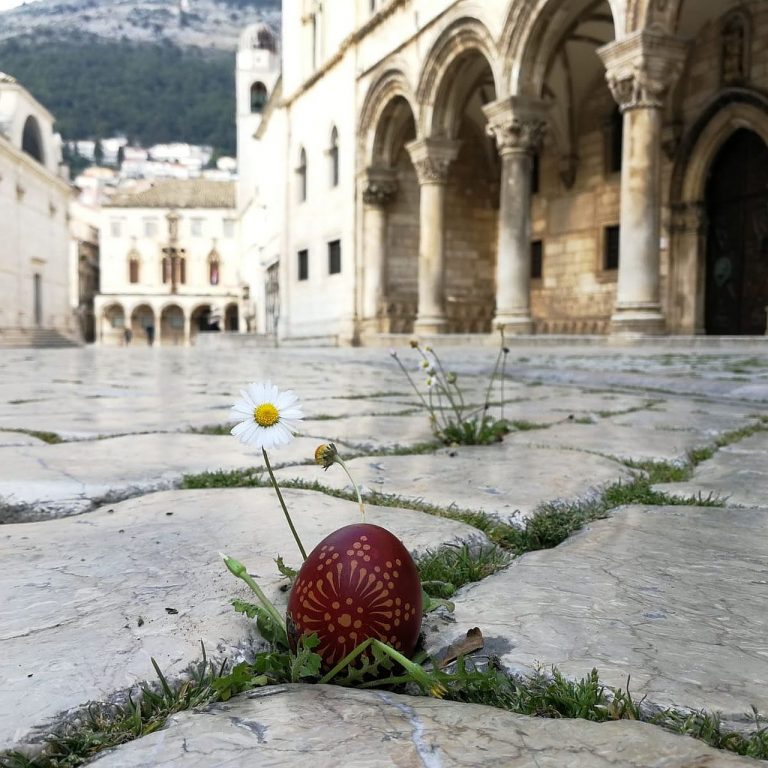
x=328, y=727
x=86, y=601
x=372, y=432
x=674, y=597
x=738, y=473
x=622, y=442
x=505, y=479
x=44, y=481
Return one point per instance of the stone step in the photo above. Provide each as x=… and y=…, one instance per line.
x=16, y=338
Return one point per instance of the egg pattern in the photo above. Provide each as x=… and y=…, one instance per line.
x=359, y=582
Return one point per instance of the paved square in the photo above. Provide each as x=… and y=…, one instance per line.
x=105, y=561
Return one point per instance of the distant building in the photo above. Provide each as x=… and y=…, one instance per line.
x=547, y=166
x=169, y=264
x=34, y=197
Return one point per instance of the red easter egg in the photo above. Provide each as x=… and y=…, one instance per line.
x=358, y=582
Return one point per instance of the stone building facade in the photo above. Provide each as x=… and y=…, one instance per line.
x=169, y=264
x=34, y=241
x=548, y=166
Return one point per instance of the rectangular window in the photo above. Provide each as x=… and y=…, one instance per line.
x=303, y=264
x=150, y=227
x=228, y=227
x=537, y=259
x=196, y=227
x=334, y=257
x=615, y=141
x=115, y=228
x=611, y=247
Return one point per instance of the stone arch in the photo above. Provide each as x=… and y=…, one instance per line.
x=729, y=112
x=172, y=320
x=143, y=322
x=464, y=46
x=112, y=323
x=231, y=317
x=534, y=32
x=32, y=140
x=259, y=96
x=373, y=141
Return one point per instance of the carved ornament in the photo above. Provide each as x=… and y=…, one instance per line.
x=518, y=124
x=432, y=158
x=380, y=187
x=641, y=68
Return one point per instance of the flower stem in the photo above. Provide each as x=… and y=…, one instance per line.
x=238, y=569
x=341, y=463
x=282, y=504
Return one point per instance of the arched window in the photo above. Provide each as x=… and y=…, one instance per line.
x=133, y=266
x=258, y=97
x=32, y=140
x=333, y=155
x=214, y=274
x=301, y=176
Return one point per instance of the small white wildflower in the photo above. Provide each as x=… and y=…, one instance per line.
x=268, y=417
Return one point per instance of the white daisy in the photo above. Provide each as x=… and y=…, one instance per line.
x=268, y=417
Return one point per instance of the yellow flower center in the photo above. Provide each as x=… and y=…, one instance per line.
x=266, y=415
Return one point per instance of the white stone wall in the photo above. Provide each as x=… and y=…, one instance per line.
x=34, y=239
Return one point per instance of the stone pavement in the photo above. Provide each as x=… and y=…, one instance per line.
x=674, y=597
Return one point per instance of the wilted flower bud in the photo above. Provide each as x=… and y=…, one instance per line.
x=414, y=344
x=450, y=378
x=325, y=455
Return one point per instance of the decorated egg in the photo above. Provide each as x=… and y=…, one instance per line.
x=358, y=582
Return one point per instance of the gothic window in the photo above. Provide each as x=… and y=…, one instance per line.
x=133, y=267
x=181, y=267
x=333, y=156
x=258, y=97
x=301, y=176
x=167, y=265
x=213, y=267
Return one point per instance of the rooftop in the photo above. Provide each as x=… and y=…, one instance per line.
x=180, y=193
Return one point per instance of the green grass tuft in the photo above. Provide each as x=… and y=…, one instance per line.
x=443, y=571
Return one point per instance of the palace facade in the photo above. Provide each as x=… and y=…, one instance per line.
x=169, y=264
x=546, y=166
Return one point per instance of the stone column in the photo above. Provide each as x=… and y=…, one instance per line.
x=518, y=125
x=187, y=329
x=379, y=190
x=688, y=266
x=431, y=159
x=640, y=70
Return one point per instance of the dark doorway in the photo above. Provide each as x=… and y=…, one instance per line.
x=737, y=238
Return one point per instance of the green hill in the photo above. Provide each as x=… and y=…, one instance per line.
x=150, y=92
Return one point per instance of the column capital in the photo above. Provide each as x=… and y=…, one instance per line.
x=641, y=68
x=379, y=186
x=688, y=217
x=431, y=158
x=517, y=123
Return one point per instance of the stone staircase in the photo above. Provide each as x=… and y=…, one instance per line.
x=17, y=338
